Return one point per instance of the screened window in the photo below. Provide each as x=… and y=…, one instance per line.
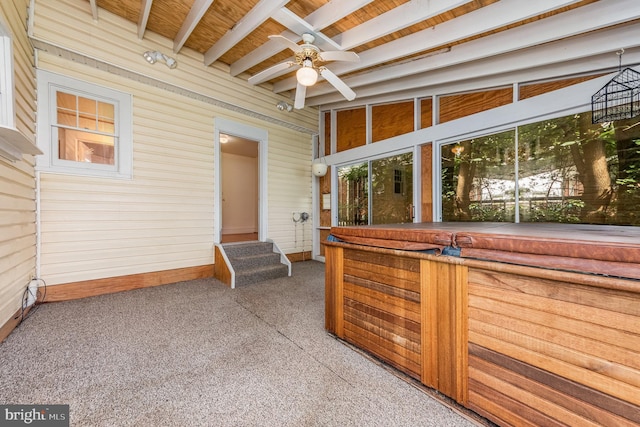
x=84, y=128
x=478, y=179
x=376, y=192
x=566, y=170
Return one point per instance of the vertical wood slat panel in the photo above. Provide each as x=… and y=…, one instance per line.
x=334, y=309
x=444, y=299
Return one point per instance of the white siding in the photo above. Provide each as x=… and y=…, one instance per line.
x=163, y=218
x=17, y=182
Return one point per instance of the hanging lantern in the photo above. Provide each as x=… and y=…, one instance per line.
x=619, y=99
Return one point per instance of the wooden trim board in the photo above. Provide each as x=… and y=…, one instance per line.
x=12, y=323
x=89, y=288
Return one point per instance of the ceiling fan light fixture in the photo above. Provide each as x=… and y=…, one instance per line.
x=307, y=75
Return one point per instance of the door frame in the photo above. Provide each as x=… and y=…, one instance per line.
x=226, y=126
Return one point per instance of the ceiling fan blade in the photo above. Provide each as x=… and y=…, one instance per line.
x=288, y=43
x=301, y=94
x=338, y=83
x=339, y=55
x=264, y=75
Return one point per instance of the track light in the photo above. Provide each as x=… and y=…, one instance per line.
x=152, y=56
x=283, y=106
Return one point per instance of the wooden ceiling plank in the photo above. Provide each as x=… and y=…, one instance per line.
x=321, y=18
x=196, y=13
x=583, y=21
x=260, y=13
x=480, y=21
x=264, y=52
x=334, y=11
x=145, y=10
x=396, y=19
x=556, y=58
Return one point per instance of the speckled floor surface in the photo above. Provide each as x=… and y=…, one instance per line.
x=200, y=354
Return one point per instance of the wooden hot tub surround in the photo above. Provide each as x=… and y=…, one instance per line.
x=519, y=342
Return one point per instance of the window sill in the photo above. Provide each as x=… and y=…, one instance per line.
x=13, y=144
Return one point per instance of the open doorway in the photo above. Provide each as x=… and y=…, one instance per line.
x=240, y=184
x=240, y=164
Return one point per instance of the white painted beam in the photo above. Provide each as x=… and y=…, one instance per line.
x=478, y=22
x=315, y=22
x=587, y=18
x=94, y=9
x=145, y=10
x=196, y=13
x=593, y=44
x=252, y=20
x=394, y=20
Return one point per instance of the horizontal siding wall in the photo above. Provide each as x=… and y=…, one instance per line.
x=17, y=180
x=289, y=189
x=164, y=217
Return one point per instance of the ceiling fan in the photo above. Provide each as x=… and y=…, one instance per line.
x=309, y=59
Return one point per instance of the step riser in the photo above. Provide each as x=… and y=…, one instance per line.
x=261, y=276
x=255, y=262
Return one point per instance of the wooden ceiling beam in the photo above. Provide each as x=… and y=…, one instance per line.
x=196, y=13
x=252, y=20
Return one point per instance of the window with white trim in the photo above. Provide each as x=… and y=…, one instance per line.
x=83, y=128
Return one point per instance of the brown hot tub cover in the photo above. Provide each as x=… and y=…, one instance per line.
x=598, y=249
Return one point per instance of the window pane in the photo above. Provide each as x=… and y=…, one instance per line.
x=353, y=197
x=88, y=110
x=66, y=101
x=574, y=171
x=106, y=117
x=67, y=118
x=478, y=179
x=392, y=190
x=66, y=109
x=86, y=147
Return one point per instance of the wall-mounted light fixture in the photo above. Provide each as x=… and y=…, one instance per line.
x=153, y=56
x=283, y=106
x=319, y=168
